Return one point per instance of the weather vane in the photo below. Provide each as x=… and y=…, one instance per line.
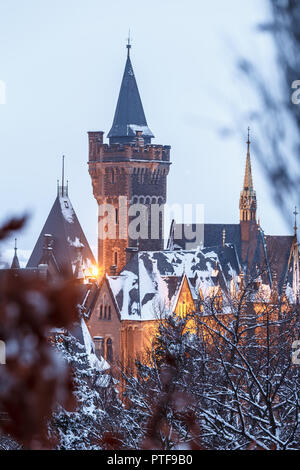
x=128, y=43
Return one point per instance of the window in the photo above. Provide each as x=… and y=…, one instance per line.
x=98, y=341
x=116, y=216
x=109, y=350
x=116, y=258
x=112, y=176
x=105, y=310
x=101, y=312
x=109, y=313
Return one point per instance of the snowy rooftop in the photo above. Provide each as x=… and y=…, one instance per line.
x=149, y=284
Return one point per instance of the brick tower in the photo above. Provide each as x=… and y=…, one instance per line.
x=128, y=173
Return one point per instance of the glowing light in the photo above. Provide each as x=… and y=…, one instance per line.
x=95, y=271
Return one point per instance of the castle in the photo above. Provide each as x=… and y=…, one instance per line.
x=139, y=278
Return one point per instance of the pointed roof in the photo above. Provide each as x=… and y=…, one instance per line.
x=15, y=262
x=129, y=116
x=248, y=181
x=68, y=241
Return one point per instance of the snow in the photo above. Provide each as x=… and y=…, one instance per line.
x=144, y=295
x=76, y=243
x=98, y=364
x=67, y=209
x=134, y=128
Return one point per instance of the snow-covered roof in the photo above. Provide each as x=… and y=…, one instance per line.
x=149, y=284
x=99, y=364
x=68, y=240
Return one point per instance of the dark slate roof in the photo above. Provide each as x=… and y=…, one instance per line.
x=280, y=257
x=213, y=235
x=68, y=239
x=15, y=262
x=129, y=115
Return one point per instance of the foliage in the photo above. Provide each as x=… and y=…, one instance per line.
x=34, y=378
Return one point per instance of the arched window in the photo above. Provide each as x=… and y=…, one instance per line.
x=109, y=350
x=105, y=310
x=116, y=216
x=109, y=313
x=116, y=258
x=113, y=176
x=101, y=312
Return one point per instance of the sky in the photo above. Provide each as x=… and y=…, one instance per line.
x=62, y=62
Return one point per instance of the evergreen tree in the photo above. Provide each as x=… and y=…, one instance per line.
x=82, y=428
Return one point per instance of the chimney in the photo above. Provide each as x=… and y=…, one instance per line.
x=139, y=138
x=47, y=249
x=130, y=252
x=113, y=270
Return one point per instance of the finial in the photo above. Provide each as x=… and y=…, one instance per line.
x=16, y=246
x=295, y=214
x=248, y=141
x=63, y=176
x=128, y=44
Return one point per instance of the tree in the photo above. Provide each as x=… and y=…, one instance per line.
x=277, y=113
x=33, y=379
x=83, y=428
x=221, y=378
x=158, y=412
x=250, y=395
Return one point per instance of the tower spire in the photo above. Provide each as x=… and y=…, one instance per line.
x=248, y=202
x=15, y=262
x=248, y=182
x=129, y=116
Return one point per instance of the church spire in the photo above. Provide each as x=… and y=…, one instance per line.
x=248, y=203
x=248, y=182
x=15, y=262
x=129, y=116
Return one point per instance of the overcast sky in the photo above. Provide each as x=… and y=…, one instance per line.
x=62, y=62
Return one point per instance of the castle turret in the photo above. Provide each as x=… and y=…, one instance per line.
x=129, y=178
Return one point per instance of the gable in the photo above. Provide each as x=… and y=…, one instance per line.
x=184, y=302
